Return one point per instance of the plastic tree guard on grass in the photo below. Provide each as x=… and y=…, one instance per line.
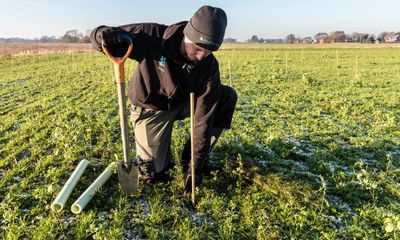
x=66, y=191
x=85, y=198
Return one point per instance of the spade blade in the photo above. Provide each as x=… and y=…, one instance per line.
x=128, y=177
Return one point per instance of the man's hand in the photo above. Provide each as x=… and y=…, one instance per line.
x=112, y=36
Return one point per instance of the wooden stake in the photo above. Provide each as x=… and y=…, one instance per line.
x=192, y=169
x=286, y=63
x=356, y=71
x=337, y=58
x=230, y=73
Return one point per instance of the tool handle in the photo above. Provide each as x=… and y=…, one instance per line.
x=119, y=61
x=123, y=122
x=120, y=78
x=192, y=131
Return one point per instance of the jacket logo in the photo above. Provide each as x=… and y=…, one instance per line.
x=162, y=63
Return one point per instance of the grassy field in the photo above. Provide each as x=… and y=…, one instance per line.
x=313, y=152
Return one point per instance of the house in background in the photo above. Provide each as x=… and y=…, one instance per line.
x=392, y=38
x=325, y=40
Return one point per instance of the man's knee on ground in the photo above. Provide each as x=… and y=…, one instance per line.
x=229, y=96
x=226, y=107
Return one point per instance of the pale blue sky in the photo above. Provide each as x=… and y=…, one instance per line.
x=267, y=19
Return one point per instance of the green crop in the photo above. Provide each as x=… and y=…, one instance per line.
x=313, y=152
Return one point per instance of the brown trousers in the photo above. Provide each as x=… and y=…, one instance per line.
x=153, y=128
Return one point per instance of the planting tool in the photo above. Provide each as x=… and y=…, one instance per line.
x=85, y=198
x=128, y=173
x=63, y=195
x=192, y=169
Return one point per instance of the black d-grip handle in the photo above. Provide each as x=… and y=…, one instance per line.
x=119, y=61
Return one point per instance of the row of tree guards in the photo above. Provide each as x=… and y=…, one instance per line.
x=85, y=198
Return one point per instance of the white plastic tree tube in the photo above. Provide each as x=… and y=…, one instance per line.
x=85, y=198
x=63, y=195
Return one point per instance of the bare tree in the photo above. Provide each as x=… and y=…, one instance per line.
x=74, y=33
x=357, y=37
x=253, y=39
x=320, y=35
x=291, y=38
x=230, y=40
x=370, y=38
x=88, y=31
x=381, y=36
x=338, y=36
x=71, y=36
x=84, y=39
x=307, y=40
x=46, y=39
x=391, y=37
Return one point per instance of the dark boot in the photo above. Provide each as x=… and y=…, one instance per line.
x=188, y=181
x=207, y=166
x=163, y=176
x=146, y=171
x=186, y=156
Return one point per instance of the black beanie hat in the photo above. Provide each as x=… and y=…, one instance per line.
x=207, y=27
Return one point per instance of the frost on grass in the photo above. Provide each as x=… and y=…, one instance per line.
x=16, y=126
x=131, y=235
x=337, y=221
x=197, y=219
x=339, y=203
x=133, y=228
x=17, y=178
x=142, y=204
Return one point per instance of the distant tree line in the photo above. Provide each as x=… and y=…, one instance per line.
x=334, y=37
x=70, y=36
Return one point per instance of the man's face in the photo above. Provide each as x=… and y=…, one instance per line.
x=192, y=52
